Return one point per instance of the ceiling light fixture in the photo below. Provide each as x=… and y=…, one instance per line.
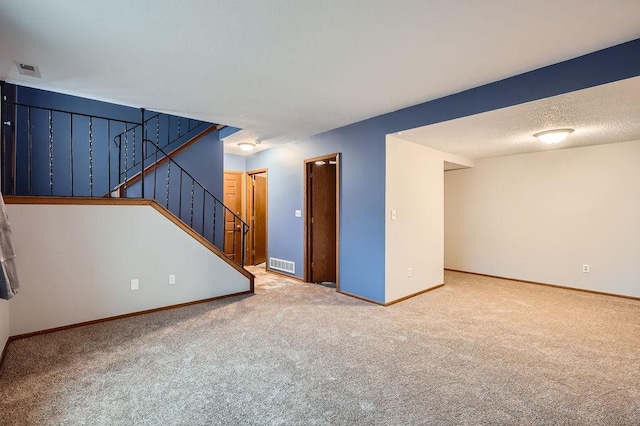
x=553, y=136
x=247, y=146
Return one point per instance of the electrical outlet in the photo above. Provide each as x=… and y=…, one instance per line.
x=172, y=279
x=585, y=269
x=135, y=284
x=410, y=272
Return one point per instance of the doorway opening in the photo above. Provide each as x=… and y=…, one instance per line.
x=322, y=219
x=257, y=217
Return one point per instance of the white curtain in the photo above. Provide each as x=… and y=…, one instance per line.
x=9, y=286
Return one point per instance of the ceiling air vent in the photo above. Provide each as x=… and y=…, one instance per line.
x=26, y=69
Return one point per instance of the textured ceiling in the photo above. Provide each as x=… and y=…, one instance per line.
x=599, y=115
x=284, y=69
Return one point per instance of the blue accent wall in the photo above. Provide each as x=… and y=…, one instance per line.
x=362, y=207
x=202, y=160
x=361, y=203
x=236, y=163
x=228, y=131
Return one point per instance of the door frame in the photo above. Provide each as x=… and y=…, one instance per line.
x=307, y=212
x=249, y=212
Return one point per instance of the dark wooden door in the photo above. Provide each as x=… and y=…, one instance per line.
x=232, y=225
x=259, y=218
x=321, y=216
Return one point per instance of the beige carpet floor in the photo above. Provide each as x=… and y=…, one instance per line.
x=476, y=351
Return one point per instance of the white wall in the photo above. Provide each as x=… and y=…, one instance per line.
x=414, y=189
x=4, y=323
x=75, y=264
x=541, y=216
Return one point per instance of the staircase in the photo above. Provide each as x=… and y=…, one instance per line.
x=64, y=153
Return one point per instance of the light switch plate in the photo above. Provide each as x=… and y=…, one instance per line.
x=298, y=213
x=135, y=284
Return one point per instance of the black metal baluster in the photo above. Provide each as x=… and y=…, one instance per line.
x=133, y=149
x=233, y=238
x=204, y=199
x=109, y=157
x=243, y=244
x=120, y=158
x=178, y=127
x=50, y=152
x=168, y=177
x=191, y=213
x=213, y=231
x=180, y=205
x=155, y=161
x=29, y=153
x=143, y=135
x=91, y=156
x=155, y=171
x=71, y=151
x=126, y=158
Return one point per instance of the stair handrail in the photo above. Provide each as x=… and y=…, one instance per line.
x=243, y=225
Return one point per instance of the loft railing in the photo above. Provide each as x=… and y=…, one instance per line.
x=52, y=152
x=72, y=147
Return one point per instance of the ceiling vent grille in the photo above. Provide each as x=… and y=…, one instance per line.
x=282, y=265
x=26, y=69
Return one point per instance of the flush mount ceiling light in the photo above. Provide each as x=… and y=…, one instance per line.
x=553, y=136
x=247, y=146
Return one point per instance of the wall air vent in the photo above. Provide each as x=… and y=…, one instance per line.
x=282, y=265
x=26, y=69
